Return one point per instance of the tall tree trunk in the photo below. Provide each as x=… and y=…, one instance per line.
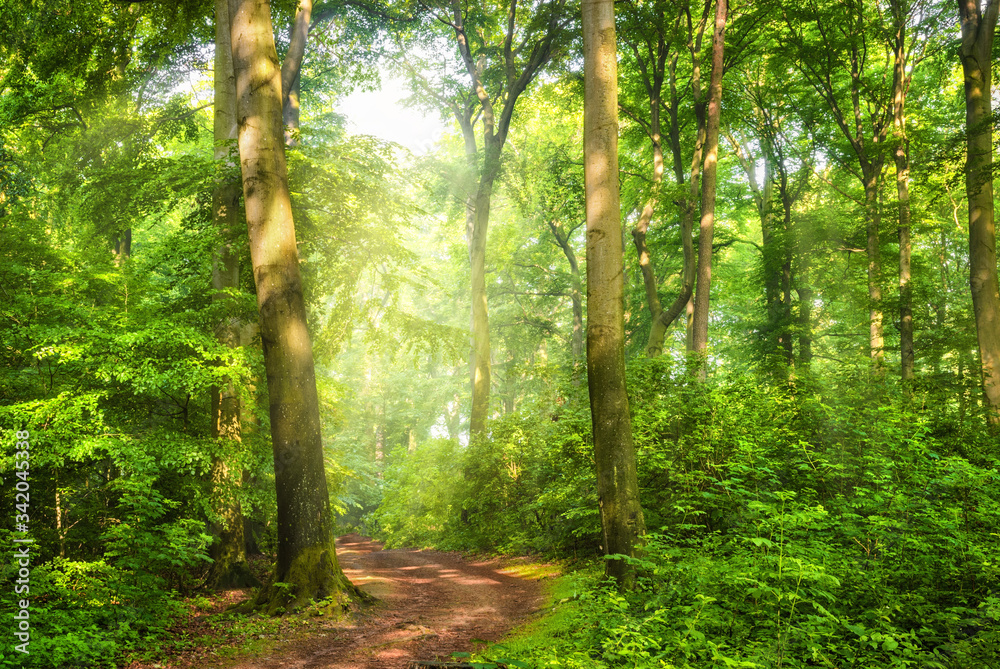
x=380, y=445
x=776, y=251
x=481, y=367
x=689, y=326
x=785, y=332
x=622, y=522
x=707, y=226
x=290, y=115
x=496, y=123
x=576, y=287
x=901, y=156
x=873, y=220
x=962, y=396
x=229, y=567
x=291, y=71
x=654, y=345
x=306, y=555
x=805, y=321
x=60, y=530
x=661, y=319
x=975, y=53
x=772, y=244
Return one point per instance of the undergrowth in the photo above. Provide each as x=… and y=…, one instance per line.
x=790, y=526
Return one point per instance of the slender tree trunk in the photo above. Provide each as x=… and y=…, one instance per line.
x=873, y=219
x=785, y=331
x=576, y=287
x=771, y=246
x=291, y=71
x=453, y=417
x=962, y=397
x=380, y=444
x=306, y=555
x=60, y=531
x=687, y=227
x=660, y=319
x=901, y=157
x=689, y=326
x=805, y=322
x=707, y=226
x=481, y=368
x=654, y=345
x=290, y=115
x=975, y=53
x=617, y=485
x=906, y=350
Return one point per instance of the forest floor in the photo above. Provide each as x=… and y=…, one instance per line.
x=430, y=604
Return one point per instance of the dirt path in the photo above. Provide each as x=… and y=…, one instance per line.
x=432, y=604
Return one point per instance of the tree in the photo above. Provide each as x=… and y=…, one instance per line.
x=651, y=38
x=975, y=53
x=306, y=555
x=622, y=522
x=229, y=552
x=830, y=47
x=901, y=158
x=708, y=183
x=501, y=51
x=770, y=135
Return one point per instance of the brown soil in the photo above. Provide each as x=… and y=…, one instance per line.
x=431, y=604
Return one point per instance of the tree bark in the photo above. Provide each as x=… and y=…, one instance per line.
x=481, y=366
x=291, y=71
x=576, y=286
x=306, y=556
x=805, y=322
x=776, y=238
x=290, y=115
x=123, y=246
x=873, y=220
x=660, y=319
x=975, y=53
x=617, y=486
x=901, y=157
x=654, y=71
x=707, y=225
x=496, y=123
x=229, y=567
x=865, y=126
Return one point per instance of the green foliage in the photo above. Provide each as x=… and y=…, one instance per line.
x=418, y=503
x=90, y=612
x=799, y=526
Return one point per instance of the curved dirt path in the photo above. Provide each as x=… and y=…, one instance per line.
x=432, y=604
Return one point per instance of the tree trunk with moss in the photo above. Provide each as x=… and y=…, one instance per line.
x=622, y=522
x=306, y=567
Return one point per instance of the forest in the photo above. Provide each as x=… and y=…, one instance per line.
x=692, y=311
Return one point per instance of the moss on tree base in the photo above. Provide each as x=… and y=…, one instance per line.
x=313, y=577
